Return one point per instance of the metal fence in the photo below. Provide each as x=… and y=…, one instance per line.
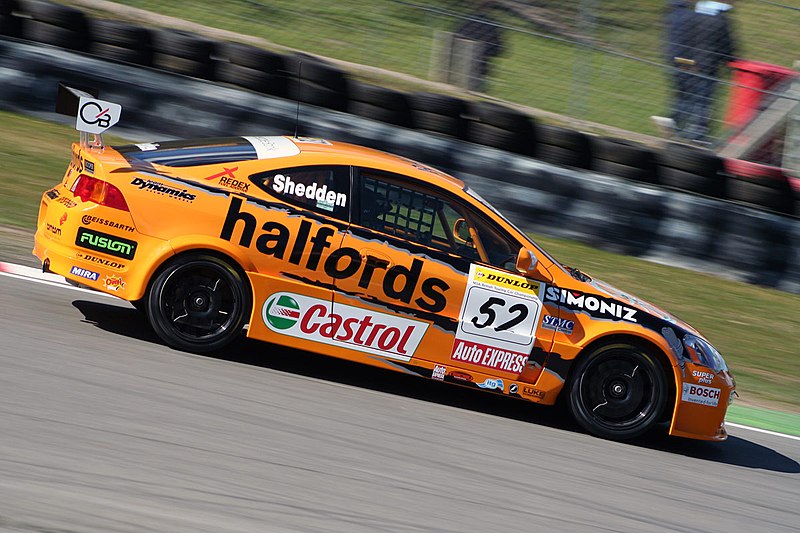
x=610, y=63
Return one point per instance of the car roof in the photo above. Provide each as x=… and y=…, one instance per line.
x=291, y=151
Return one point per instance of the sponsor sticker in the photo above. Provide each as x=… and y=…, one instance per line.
x=560, y=325
x=68, y=203
x=103, y=242
x=497, y=320
x=159, y=188
x=96, y=116
x=439, y=372
x=62, y=219
x=114, y=283
x=227, y=178
x=594, y=306
x=55, y=230
x=513, y=388
x=530, y=392
x=343, y=325
x=492, y=384
x=700, y=394
x=89, y=166
x=83, y=273
x=268, y=147
x=99, y=260
x=147, y=147
x=703, y=377
x=460, y=376
x=88, y=220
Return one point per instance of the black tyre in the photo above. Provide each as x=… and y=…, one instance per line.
x=318, y=95
x=252, y=57
x=8, y=6
x=497, y=137
x=612, y=168
x=120, y=34
x=250, y=78
x=379, y=113
x=183, y=44
x=558, y=155
x=188, y=67
x=440, y=104
x=10, y=25
x=55, y=14
x=618, y=391
x=198, y=303
x=622, y=151
x=714, y=186
x=317, y=72
x=119, y=53
x=44, y=32
x=775, y=198
x=690, y=159
x=572, y=140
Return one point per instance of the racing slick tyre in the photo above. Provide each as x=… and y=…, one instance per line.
x=198, y=303
x=618, y=391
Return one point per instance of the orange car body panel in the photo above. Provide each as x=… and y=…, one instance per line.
x=320, y=286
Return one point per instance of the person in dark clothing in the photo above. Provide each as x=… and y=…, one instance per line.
x=677, y=26
x=488, y=39
x=699, y=42
x=710, y=47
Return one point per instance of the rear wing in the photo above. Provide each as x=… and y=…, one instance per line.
x=92, y=115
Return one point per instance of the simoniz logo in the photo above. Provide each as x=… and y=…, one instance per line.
x=157, y=187
x=343, y=325
x=596, y=306
x=306, y=244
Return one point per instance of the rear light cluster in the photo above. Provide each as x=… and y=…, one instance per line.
x=90, y=189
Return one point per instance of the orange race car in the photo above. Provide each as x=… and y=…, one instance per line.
x=358, y=254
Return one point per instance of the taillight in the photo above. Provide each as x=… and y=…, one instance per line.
x=101, y=192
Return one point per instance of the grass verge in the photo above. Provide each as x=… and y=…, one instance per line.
x=755, y=328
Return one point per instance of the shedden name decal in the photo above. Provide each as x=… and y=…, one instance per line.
x=343, y=325
x=399, y=282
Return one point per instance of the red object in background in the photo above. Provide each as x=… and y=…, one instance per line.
x=750, y=78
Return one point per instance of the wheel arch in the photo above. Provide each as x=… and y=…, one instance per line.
x=647, y=344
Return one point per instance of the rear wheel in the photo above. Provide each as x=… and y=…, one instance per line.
x=198, y=303
x=618, y=391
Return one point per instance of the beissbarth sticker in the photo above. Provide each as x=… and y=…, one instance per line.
x=497, y=322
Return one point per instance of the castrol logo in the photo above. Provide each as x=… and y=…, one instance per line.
x=343, y=325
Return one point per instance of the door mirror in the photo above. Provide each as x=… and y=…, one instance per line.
x=461, y=232
x=528, y=265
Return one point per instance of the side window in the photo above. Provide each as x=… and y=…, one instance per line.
x=420, y=215
x=325, y=189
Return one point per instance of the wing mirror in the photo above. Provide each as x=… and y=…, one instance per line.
x=461, y=231
x=529, y=266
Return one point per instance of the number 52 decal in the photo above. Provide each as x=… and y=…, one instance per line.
x=500, y=316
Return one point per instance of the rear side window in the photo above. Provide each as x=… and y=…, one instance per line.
x=325, y=189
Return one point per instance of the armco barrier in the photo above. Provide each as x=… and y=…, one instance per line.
x=611, y=213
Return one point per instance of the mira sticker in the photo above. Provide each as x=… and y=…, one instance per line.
x=342, y=325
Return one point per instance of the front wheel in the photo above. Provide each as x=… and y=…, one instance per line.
x=618, y=391
x=198, y=303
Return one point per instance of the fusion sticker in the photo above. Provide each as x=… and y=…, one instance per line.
x=343, y=325
x=103, y=242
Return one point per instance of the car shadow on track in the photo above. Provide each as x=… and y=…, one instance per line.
x=126, y=321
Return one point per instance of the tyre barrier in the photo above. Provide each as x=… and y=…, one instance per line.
x=379, y=103
x=251, y=67
x=624, y=158
x=184, y=52
x=498, y=126
x=688, y=168
x=322, y=84
x=121, y=41
x=316, y=82
x=54, y=24
x=761, y=185
x=562, y=146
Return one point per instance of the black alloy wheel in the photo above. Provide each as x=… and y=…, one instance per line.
x=618, y=392
x=198, y=303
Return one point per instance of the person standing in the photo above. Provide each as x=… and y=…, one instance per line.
x=710, y=47
x=677, y=38
x=488, y=43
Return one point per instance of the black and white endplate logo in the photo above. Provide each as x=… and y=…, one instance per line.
x=96, y=116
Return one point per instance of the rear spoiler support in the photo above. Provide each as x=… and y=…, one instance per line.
x=92, y=115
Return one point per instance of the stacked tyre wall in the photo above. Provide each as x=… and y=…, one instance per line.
x=635, y=215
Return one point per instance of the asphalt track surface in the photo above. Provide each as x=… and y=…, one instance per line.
x=103, y=428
